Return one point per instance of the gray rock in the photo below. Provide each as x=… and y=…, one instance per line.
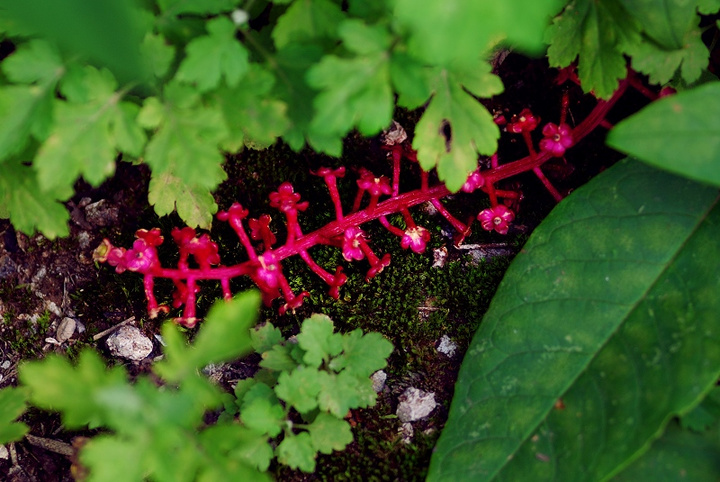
x=378, y=380
x=8, y=267
x=446, y=346
x=128, y=342
x=102, y=213
x=415, y=404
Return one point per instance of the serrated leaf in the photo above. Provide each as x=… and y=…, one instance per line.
x=214, y=56
x=353, y=92
x=455, y=127
x=443, y=33
x=329, y=433
x=704, y=415
x=252, y=113
x=29, y=207
x=86, y=136
x=258, y=391
x=307, y=21
x=297, y=452
x=362, y=355
x=265, y=337
x=236, y=442
x=107, y=456
x=666, y=22
x=661, y=64
x=680, y=133
x=55, y=384
x=195, y=205
x=593, y=32
x=622, y=327
x=185, y=142
x=36, y=61
x=343, y=391
x=279, y=358
x=318, y=339
x=157, y=53
x=12, y=405
x=677, y=455
x=300, y=388
x=263, y=416
x=364, y=39
x=411, y=79
x=224, y=335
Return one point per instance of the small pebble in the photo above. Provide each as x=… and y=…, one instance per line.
x=415, y=404
x=4, y=454
x=5, y=365
x=128, y=342
x=378, y=380
x=65, y=329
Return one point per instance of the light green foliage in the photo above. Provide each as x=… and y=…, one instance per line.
x=318, y=377
x=680, y=133
x=157, y=432
x=214, y=56
x=12, y=405
x=662, y=37
x=621, y=326
x=455, y=127
x=307, y=21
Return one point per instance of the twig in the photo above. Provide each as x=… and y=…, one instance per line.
x=113, y=328
x=62, y=448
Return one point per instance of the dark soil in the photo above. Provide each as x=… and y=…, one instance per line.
x=42, y=282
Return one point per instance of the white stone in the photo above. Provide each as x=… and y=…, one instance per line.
x=407, y=432
x=5, y=365
x=65, y=329
x=378, y=380
x=415, y=404
x=128, y=342
x=4, y=454
x=446, y=346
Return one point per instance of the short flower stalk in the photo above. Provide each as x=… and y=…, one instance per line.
x=200, y=260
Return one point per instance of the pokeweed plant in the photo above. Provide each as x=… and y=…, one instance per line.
x=293, y=408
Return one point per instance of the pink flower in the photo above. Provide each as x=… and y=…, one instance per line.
x=269, y=272
x=328, y=172
x=286, y=199
x=525, y=122
x=474, y=181
x=416, y=239
x=557, y=139
x=338, y=280
x=352, y=243
x=202, y=248
x=152, y=237
x=497, y=218
x=260, y=230
x=142, y=257
x=234, y=215
x=375, y=186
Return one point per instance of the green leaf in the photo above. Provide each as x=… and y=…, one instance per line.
x=213, y=56
x=329, y=433
x=224, y=336
x=704, y=415
x=29, y=207
x=73, y=390
x=318, y=339
x=677, y=455
x=452, y=31
x=341, y=392
x=233, y=442
x=263, y=416
x=86, y=136
x=455, y=127
x=621, y=326
x=595, y=32
x=297, y=452
x=195, y=205
x=680, y=133
x=354, y=92
x=666, y=22
x=362, y=355
x=157, y=54
x=265, y=337
x=36, y=61
x=186, y=138
x=307, y=21
x=202, y=7
x=12, y=405
x=300, y=388
x=107, y=456
x=251, y=112
x=279, y=358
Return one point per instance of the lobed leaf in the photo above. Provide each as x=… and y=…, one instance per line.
x=362, y=355
x=195, y=205
x=318, y=339
x=297, y=452
x=300, y=388
x=680, y=133
x=307, y=21
x=455, y=127
x=329, y=433
x=621, y=326
x=265, y=337
x=12, y=405
x=263, y=416
x=214, y=56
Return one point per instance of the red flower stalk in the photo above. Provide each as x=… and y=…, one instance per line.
x=330, y=176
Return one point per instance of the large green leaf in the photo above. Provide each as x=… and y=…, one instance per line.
x=612, y=307
x=680, y=133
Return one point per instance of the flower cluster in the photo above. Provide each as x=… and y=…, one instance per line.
x=377, y=197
